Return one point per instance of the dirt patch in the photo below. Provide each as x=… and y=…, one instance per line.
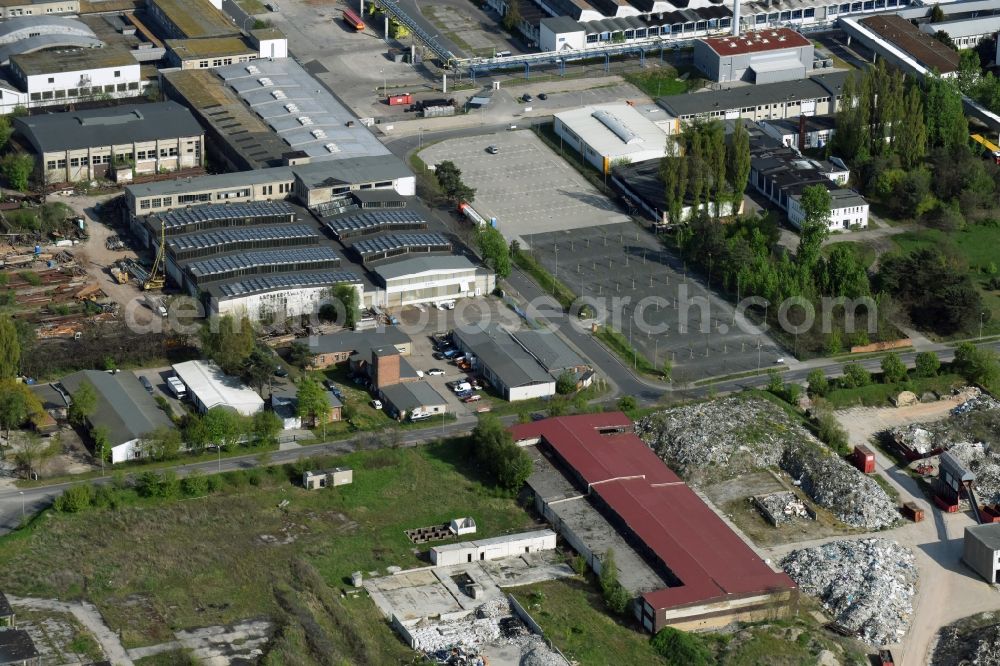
x=862, y=423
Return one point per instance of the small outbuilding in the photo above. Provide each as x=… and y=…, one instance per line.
x=337, y=476
x=493, y=549
x=463, y=526
x=982, y=550
x=17, y=648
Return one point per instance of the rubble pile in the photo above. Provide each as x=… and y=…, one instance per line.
x=976, y=419
x=723, y=439
x=916, y=437
x=730, y=436
x=867, y=585
x=834, y=484
x=537, y=653
x=969, y=642
x=781, y=508
x=983, y=461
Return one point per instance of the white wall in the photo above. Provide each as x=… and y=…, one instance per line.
x=552, y=41
x=407, y=186
x=456, y=285
x=492, y=549
x=292, y=302
x=40, y=84
x=841, y=219
x=125, y=452
x=532, y=391
x=273, y=48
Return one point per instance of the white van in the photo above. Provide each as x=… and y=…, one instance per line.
x=176, y=387
x=464, y=386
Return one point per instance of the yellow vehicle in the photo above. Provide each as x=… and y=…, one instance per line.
x=991, y=151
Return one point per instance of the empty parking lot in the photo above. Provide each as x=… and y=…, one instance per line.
x=525, y=186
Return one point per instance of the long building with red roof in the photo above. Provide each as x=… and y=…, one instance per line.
x=708, y=576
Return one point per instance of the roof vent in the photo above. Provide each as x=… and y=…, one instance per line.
x=251, y=69
x=305, y=120
x=278, y=94
x=291, y=107
x=333, y=148
x=318, y=134
x=265, y=82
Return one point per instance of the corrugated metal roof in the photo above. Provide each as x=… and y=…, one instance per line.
x=262, y=283
x=383, y=244
x=707, y=558
x=228, y=235
x=183, y=217
x=373, y=221
x=261, y=259
x=123, y=406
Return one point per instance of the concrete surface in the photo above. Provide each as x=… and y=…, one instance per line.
x=88, y=615
x=526, y=186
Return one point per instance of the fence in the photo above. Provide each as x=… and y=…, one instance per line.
x=525, y=617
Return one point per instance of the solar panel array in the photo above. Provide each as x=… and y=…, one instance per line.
x=291, y=259
x=385, y=246
x=369, y=222
x=175, y=220
x=240, y=235
x=261, y=283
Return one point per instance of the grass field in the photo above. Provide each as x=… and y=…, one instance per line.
x=977, y=246
x=660, y=81
x=864, y=253
x=153, y=566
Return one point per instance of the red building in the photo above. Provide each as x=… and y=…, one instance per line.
x=712, y=576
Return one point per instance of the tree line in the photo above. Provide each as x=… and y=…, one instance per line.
x=702, y=169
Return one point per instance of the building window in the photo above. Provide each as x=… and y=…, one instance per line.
x=172, y=151
x=156, y=202
x=118, y=74
x=47, y=94
x=168, y=201
x=74, y=161
x=203, y=64
x=52, y=79
x=50, y=165
x=144, y=204
x=73, y=92
x=61, y=164
x=60, y=94
x=133, y=86
x=121, y=87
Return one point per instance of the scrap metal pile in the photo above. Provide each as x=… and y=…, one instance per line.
x=723, y=439
x=971, y=643
x=973, y=419
x=780, y=508
x=867, y=585
x=982, y=460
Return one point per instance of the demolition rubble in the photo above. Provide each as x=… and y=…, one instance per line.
x=983, y=460
x=972, y=420
x=866, y=585
x=723, y=439
x=974, y=641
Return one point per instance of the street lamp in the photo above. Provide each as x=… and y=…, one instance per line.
x=385, y=84
x=22, y=504
x=981, y=315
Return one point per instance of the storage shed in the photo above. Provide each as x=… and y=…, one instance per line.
x=493, y=549
x=338, y=476
x=982, y=550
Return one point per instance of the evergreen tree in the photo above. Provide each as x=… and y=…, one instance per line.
x=738, y=161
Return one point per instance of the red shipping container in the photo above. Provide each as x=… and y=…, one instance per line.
x=396, y=100
x=864, y=459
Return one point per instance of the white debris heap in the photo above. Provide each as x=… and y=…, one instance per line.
x=867, y=585
x=723, y=439
x=984, y=461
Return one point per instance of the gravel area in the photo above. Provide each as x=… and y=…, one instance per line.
x=867, y=585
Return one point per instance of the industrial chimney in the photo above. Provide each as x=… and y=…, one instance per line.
x=736, y=18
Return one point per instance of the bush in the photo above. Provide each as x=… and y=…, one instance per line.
x=627, y=403
x=927, y=364
x=680, y=648
x=194, y=485
x=75, y=499
x=566, y=383
x=213, y=483
x=818, y=383
x=829, y=430
x=893, y=369
x=106, y=497
x=855, y=376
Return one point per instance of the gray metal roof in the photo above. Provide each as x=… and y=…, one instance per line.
x=972, y=27
x=209, y=182
x=369, y=222
x=398, y=269
x=988, y=534
x=123, y=406
x=262, y=283
x=300, y=109
x=73, y=130
x=735, y=98
x=497, y=350
x=39, y=42
x=185, y=217
x=352, y=170
x=408, y=396
x=554, y=354
x=264, y=258
x=401, y=242
x=221, y=237
x=20, y=27
x=352, y=341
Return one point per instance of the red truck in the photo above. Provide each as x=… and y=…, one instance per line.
x=397, y=100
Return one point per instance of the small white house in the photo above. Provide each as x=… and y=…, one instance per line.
x=497, y=548
x=338, y=476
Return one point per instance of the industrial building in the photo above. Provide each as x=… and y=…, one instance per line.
x=520, y=364
x=763, y=56
x=265, y=112
x=15, y=8
x=124, y=409
x=336, y=348
x=708, y=576
x=642, y=186
x=496, y=548
x=781, y=174
x=119, y=141
x=414, y=400
x=965, y=33
x=805, y=132
x=981, y=551
x=208, y=386
x=815, y=95
x=431, y=279
x=44, y=78
x=28, y=34
x=902, y=44
x=609, y=134
x=211, y=52
x=190, y=19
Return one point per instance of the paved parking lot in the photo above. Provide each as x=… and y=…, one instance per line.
x=667, y=313
x=526, y=186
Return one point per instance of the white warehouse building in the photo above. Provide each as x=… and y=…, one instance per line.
x=210, y=387
x=497, y=548
x=430, y=279
x=610, y=134
x=764, y=56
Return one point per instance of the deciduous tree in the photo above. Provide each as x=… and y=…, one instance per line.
x=10, y=347
x=84, y=402
x=312, y=403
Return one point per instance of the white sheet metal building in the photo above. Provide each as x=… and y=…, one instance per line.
x=210, y=387
x=481, y=550
x=764, y=56
x=609, y=134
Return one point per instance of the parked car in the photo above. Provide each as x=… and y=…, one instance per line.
x=475, y=397
x=493, y=150
x=462, y=387
x=435, y=372
x=280, y=372
x=377, y=404
x=526, y=98
x=146, y=385
x=438, y=356
x=462, y=395
x=542, y=96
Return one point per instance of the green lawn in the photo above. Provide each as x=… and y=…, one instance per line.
x=660, y=81
x=977, y=246
x=879, y=395
x=154, y=566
